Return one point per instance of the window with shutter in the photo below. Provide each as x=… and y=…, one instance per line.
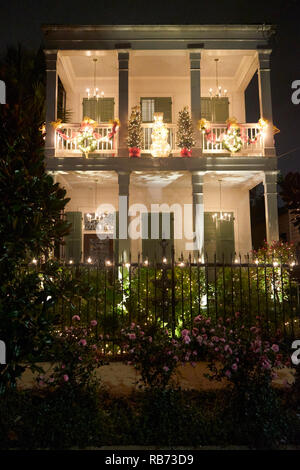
x=218, y=238
x=157, y=227
x=101, y=110
x=149, y=106
x=215, y=109
x=73, y=241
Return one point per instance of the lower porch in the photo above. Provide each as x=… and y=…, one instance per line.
x=126, y=215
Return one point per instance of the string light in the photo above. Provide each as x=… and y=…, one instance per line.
x=89, y=260
x=34, y=261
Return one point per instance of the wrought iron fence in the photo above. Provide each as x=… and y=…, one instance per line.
x=172, y=293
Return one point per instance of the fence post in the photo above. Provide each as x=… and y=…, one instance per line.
x=173, y=290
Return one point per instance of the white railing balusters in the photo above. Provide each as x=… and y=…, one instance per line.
x=214, y=144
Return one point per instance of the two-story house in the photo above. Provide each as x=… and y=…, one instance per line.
x=161, y=69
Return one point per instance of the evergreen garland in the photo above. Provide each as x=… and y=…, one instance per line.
x=185, y=132
x=135, y=131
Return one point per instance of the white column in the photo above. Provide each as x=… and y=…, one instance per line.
x=123, y=58
x=124, y=240
x=196, y=99
x=198, y=210
x=51, y=101
x=271, y=206
x=265, y=98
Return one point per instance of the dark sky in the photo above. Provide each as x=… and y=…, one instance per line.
x=20, y=21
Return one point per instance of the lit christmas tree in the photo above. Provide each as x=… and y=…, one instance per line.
x=185, y=133
x=159, y=136
x=135, y=132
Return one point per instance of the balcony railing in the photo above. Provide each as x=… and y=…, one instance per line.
x=69, y=147
x=254, y=145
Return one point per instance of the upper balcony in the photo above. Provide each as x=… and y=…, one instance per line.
x=252, y=146
x=158, y=79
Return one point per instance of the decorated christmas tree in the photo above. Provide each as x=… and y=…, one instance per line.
x=135, y=132
x=185, y=132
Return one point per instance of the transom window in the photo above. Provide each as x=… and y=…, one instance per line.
x=149, y=106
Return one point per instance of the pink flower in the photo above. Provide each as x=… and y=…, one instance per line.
x=93, y=322
x=83, y=342
x=132, y=325
x=76, y=317
x=186, y=339
x=150, y=339
x=185, y=332
x=228, y=374
x=94, y=346
x=193, y=364
x=51, y=380
x=166, y=368
x=132, y=336
x=66, y=377
x=175, y=358
x=79, y=358
x=234, y=367
x=63, y=366
x=275, y=348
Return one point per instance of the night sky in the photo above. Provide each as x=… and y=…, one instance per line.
x=20, y=21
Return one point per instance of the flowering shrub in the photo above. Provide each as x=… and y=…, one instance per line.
x=277, y=251
x=154, y=354
x=238, y=353
x=76, y=355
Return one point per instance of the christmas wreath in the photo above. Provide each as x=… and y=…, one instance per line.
x=86, y=138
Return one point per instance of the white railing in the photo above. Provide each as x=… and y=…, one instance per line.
x=147, y=131
x=69, y=147
x=250, y=131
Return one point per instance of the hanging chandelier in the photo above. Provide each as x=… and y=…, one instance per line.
x=104, y=220
x=221, y=216
x=95, y=94
x=218, y=91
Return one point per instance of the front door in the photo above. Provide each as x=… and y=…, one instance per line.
x=96, y=249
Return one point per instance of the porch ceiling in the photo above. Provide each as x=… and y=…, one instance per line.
x=145, y=63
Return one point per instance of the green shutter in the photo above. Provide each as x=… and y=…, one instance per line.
x=73, y=241
x=218, y=238
x=206, y=108
x=210, y=236
x=220, y=109
x=106, y=109
x=225, y=240
x=215, y=109
x=152, y=248
x=101, y=110
x=90, y=108
x=164, y=105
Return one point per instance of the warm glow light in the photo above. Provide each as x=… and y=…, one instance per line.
x=108, y=263
x=89, y=260
x=146, y=262
x=275, y=263
x=164, y=260
x=127, y=265
x=34, y=261
x=71, y=261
